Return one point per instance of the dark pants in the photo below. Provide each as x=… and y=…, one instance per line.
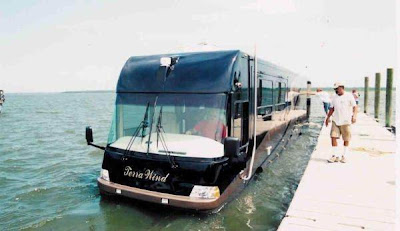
x=326, y=107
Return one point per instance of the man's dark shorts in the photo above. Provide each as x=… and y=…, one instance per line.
x=326, y=107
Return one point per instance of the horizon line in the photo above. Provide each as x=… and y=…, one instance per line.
x=113, y=90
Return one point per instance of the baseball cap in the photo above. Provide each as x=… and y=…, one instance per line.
x=338, y=84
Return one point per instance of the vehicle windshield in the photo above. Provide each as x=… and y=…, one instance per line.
x=187, y=121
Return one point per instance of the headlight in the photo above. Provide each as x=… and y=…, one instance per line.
x=205, y=192
x=104, y=174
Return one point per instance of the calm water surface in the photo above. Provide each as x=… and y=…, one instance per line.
x=371, y=104
x=48, y=174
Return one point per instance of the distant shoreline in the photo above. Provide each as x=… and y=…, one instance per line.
x=89, y=91
x=62, y=92
x=113, y=91
x=347, y=88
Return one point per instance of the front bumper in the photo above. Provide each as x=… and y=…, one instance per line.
x=178, y=201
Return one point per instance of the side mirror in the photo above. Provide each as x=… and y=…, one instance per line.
x=89, y=138
x=89, y=135
x=231, y=147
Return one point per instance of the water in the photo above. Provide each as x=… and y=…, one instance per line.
x=382, y=105
x=48, y=174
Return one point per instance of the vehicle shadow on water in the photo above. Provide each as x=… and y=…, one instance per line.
x=119, y=212
x=148, y=208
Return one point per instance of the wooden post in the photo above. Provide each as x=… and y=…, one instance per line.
x=308, y=98
x=377, y=93
x=389, y=86
x=366, y=86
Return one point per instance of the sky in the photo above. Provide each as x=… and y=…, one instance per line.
x=55, y=46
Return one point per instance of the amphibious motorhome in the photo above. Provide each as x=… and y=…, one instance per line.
x=191, y=129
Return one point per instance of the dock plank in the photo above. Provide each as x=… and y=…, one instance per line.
x=359, y=194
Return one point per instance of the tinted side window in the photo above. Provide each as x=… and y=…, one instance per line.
x=265, y=97
x=280, y=93
x=242, y=92
x=237, y=120
x=240, y=121
x=283, y=93
x=267, y=93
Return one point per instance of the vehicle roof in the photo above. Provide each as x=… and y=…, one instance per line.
x=196, y=72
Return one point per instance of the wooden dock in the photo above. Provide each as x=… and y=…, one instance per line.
x=359, y=194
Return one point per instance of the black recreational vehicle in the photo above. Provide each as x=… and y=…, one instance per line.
x=191, y=129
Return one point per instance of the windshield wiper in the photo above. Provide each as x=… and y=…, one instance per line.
x=145, y=121
x=160, y=131
x=142, y=125
x=159, y=126
x=151, y=126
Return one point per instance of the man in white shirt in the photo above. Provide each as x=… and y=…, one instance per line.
x=344, y=111
x=325, y=98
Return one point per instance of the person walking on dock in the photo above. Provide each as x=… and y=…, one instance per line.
x=326, y=99
x=344, y=112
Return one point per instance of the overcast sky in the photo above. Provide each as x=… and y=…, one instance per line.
x=50, y=46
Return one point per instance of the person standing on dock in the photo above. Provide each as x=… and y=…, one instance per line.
x=323, y=95
x=326, y=99
x=2, y=99
x=356, y=95
x=344, y=113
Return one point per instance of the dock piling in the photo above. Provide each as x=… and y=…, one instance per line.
x=389, y=86
x=377, y=94
x=366, y=86
x=308, y=98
